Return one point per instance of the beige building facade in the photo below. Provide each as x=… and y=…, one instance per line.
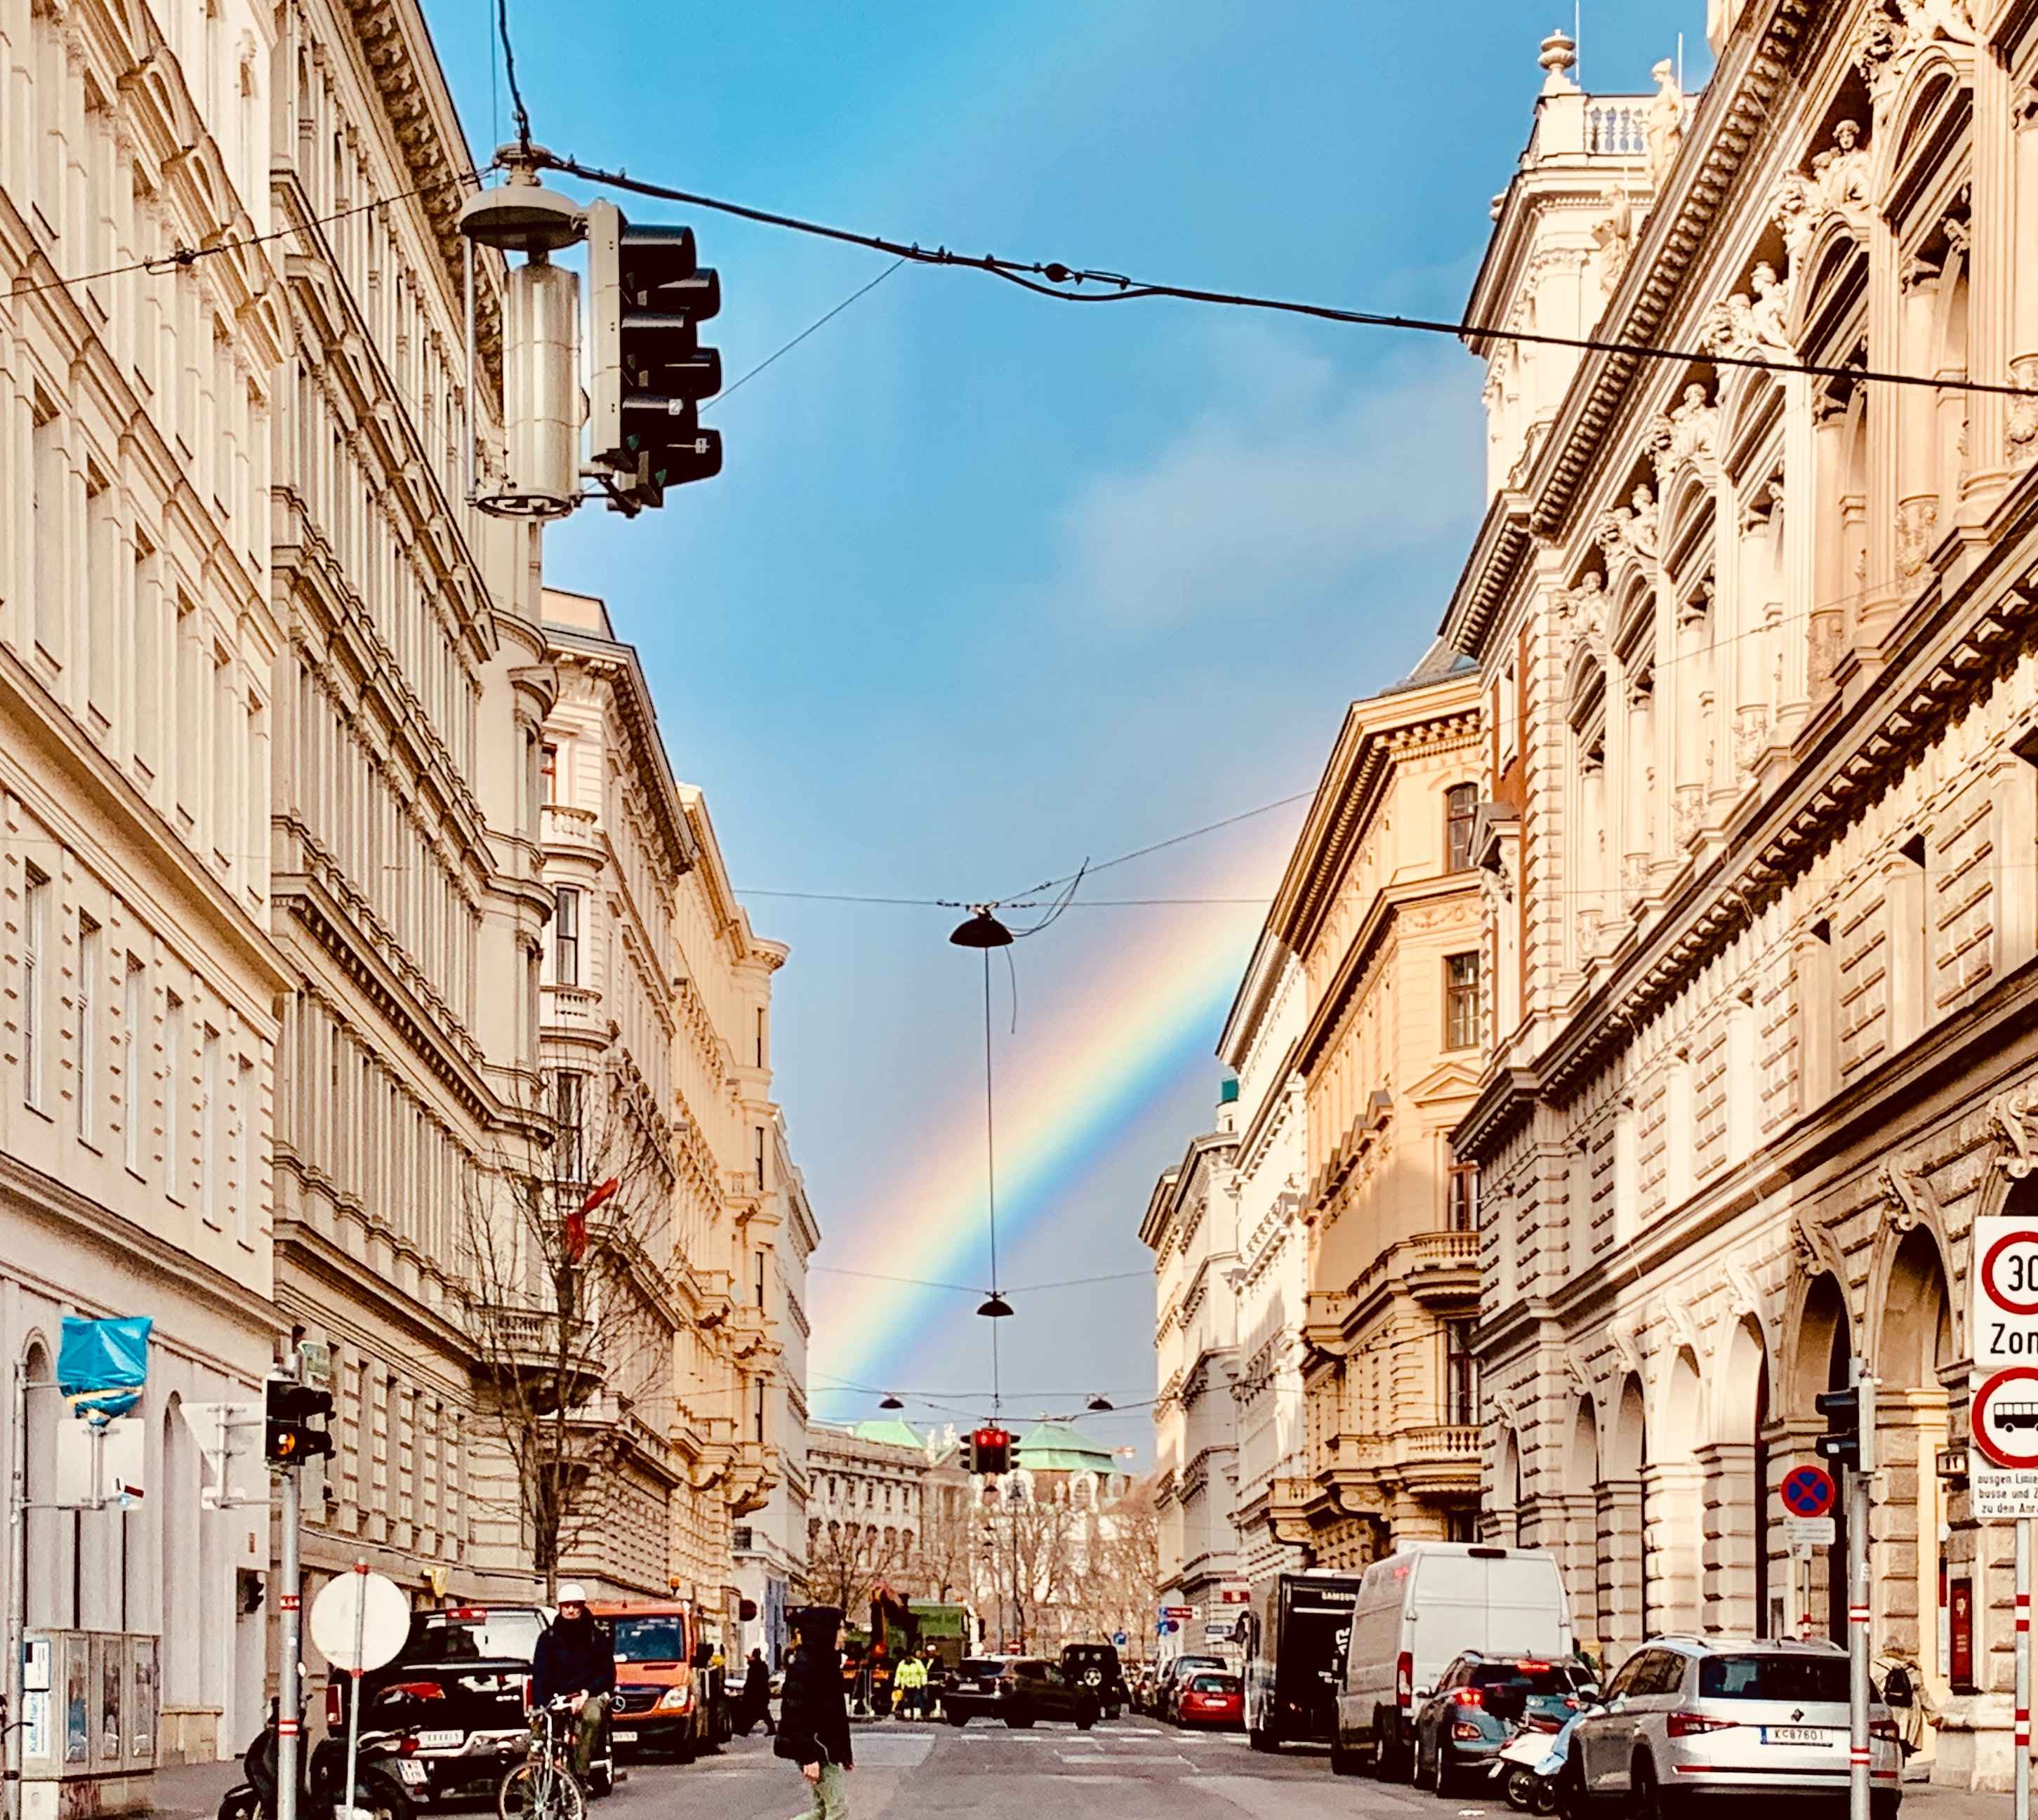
x=1380, y=907
x=1759, y=845
x=139, y=980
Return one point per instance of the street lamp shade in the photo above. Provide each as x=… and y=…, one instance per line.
x=981, y=929
x=891, y=1402
x=996, y=1307
x=1098, y=1405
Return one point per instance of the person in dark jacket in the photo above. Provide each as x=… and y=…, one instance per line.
x=575, y=1657
x=813, y=1720
x=754, y=1706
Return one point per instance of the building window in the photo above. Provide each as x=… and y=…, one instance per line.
x=1460, y=1526
x=760, y=1036
x=1460, y=1375
x=134, y=1003
x=88, y=1029
x=34, y=947
x=244, y=1187
x=568, y=1111
x=211, y=1179
x=548, y=773
x=759, y=1394
x=566, y=938
x=1463, y=1207
x=173, y=1095
x=1461, y=1001
x=761, y=1280
x=1460, y=801
x=760, y=1156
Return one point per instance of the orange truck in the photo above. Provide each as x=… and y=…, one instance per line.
x=664, y=1705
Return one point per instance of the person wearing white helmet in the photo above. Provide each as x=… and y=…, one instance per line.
x=576, y=1659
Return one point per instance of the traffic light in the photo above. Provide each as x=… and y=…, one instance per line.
x=969, y=1453
x=993, y=1450
x=1850, y=1437
x=648, y=295
x=287, y=1438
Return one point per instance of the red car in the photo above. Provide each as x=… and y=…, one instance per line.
x=1210, y=1700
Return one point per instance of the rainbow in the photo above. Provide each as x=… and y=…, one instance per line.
x=1109, y=1039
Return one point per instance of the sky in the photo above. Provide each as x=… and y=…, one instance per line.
x=992, y=584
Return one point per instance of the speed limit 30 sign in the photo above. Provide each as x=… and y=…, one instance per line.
x=2003, y=1414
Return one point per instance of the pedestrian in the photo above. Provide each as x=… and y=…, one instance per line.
x=930, y=1689
x=813, y=1721
x=754, y=1706
x=911, y=1683
x=575, y=1657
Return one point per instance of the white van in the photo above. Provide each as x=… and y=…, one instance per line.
x=1416, y=1610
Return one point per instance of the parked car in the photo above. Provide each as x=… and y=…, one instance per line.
x=1095, y=1665
x=1481, y=1701
x=1207, y=1699
x=1021, y=1690
x=1173, y=1669
x=460, y=1684
x=661, y=1660
x=1469, y=1596
x=1766, y=1720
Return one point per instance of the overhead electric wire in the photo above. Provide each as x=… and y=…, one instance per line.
x=1120, y=287
x=510, y=70
x=723, y=396
x=975, y=1288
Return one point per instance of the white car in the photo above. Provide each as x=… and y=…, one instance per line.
x=1721, y=1719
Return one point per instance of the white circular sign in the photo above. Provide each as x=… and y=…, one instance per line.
x=370, y=1605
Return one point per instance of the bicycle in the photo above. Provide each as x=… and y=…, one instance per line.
x=544, y=1786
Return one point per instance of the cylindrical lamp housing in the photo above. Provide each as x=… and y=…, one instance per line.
x=541, y=392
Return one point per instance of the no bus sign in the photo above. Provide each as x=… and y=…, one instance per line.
x=2002, y=1416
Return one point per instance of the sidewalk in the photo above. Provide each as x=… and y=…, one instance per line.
x=192, y=1791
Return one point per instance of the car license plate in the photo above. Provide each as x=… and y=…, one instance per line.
x=1796, y=1734
x=440, y=1740
x=410, y=1769
x=626, y=1738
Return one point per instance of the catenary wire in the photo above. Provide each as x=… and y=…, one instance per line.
x=1118, y=287
x=509, y=72
x=727, y=392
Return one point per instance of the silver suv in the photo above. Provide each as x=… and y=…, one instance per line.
x=1712, y=1717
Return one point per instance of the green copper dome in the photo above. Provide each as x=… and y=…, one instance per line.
x=891, y=1431
x=1060, y=1447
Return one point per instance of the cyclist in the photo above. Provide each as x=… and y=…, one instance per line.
x=575, y=1659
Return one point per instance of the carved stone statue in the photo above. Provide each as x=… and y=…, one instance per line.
x=1614, y=235
x=1664, y=125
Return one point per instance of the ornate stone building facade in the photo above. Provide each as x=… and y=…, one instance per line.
x=1756, y=654
x=1270, y=1279
x=1380, y=907
x=410, y=686
x=138, y=644
x=1192, y=1228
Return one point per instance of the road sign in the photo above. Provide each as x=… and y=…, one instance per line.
x=367, y=1607
x=2004, y=1308
x=1181, y=1613
x=2002, y=1323
x=1806, y=1492
x=1119, y=1638
x=1806, y=1534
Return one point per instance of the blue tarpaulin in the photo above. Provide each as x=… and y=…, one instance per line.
x=103, y=1365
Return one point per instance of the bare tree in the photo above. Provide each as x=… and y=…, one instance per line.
x=1121, y=1568
x=846, y=1562
x=950, y=1520
x=566, y=1246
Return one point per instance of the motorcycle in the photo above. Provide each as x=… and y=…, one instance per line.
x=1529, y=1766
x=378, y=1778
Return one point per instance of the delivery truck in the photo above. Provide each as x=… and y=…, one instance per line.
x=1296, y=1637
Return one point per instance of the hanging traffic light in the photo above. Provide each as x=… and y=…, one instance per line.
x=1850, y=1437
x=993, y=1450
x=648, y=295
x=287, y=1438
x=969, y=1454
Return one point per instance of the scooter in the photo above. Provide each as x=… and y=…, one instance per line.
x=1529, y=1766
x=378, y=1781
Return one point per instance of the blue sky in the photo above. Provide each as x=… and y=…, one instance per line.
x=991, y=582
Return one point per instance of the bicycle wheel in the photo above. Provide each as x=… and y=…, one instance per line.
x=539, y=1791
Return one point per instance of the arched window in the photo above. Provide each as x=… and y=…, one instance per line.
x=1460, y=803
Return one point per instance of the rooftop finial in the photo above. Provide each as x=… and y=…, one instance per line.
x=1559, y=54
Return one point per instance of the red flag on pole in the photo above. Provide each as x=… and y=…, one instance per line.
x=576, y=1232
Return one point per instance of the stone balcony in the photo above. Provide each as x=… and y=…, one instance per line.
x=752, y=1477
x=549, y=1361
x=1440, y=1266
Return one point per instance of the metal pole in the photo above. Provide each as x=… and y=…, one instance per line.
x=2020, y=1796
x=466, y=396
x=354, y=1685
x=290, y=1711
x=1857, y=1617
x=12, y=1632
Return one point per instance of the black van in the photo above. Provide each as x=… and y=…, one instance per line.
x=1095, y=1665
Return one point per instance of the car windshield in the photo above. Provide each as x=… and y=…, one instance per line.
x=1215, y=1684
x=650, y=1639
x=1797, y=1678
x=473, y=1636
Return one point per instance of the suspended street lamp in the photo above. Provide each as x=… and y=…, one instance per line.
x=1098, y=1405
x=891, y=1402
x=982, y=931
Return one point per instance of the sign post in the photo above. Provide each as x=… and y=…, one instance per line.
x=2002, y=1424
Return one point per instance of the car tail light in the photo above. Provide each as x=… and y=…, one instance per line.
x=1464, y=1729
x=1469, y=1696
x=415, y=1690
x=469, y=1613
x=336, y=1708
x=1404, y=1679
x=527, y=1693
x=1692, y=1724
x=409, y=1746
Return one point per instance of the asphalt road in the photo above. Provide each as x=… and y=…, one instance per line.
x=1126, y=1770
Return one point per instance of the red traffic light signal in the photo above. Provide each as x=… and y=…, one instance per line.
x=992, y=1448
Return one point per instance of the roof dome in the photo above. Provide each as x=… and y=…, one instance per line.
x=891, y=1431
x=1060, y=1447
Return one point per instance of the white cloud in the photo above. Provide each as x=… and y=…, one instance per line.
x=1288, y=478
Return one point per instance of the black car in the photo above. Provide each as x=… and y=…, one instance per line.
x=459, y=1682
x=1095, y=1665
x=1019, y=1689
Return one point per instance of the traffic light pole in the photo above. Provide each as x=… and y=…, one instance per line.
x=1858, y=1746
x=289, y=1708
x=2020, y=1794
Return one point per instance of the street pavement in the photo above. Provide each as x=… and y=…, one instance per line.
x=1126, y=1770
